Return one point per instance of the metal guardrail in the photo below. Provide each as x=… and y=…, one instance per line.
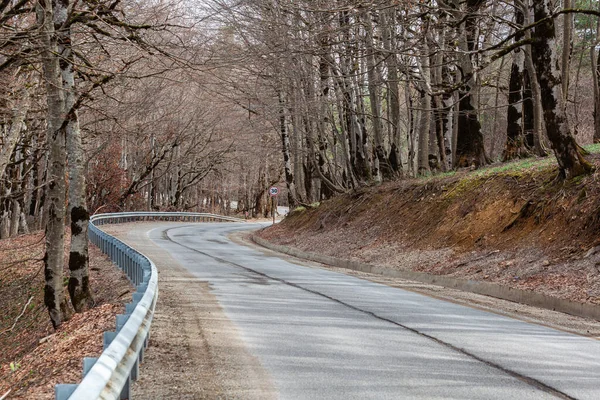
x=115, y=218
x=110, y=376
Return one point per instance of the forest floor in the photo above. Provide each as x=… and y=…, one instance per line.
x=34, y=357
x=513, y=224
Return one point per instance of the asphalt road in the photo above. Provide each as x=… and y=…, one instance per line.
x=325, y=335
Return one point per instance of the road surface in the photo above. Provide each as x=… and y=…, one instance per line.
x=290, y=331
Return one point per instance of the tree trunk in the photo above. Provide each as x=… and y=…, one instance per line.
x=567, y=46
x=287, y=158
x=353, y=106
x=425, y=108
x=380, y=166
x=54, y=298
x=532, y=106
x=152, y=184
x=4, y=225
x=425, y=112
x=595, y=59
x=79, y=281
x=469, y=143
x=391, y=61
x=11, y=139
x=15, y=218
x=515, y=144
x=544, y=51
x=440, y=113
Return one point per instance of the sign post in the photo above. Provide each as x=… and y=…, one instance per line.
x=273, y=192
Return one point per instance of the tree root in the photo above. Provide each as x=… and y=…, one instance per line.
x=524, y=212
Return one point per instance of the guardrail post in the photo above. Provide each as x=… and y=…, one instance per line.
x=63, y=391
x=88, y=363
x=125, y=261
x=108, y=337
x=126, y=392
x=121, y=319
x=135, y=370
x=144, y=347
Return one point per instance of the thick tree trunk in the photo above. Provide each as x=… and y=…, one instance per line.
x=544, y=51
x=533, y=108
x=528, y=109
x=54, y=298
x=79, y=281
x=394, y=158
x=515, y=143
x=469, y=143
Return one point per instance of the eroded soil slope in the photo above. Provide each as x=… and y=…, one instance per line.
x=516, y=225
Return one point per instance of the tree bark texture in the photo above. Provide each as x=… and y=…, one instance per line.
x=571, y=161
x=287, y=158
x=10, y=140
x=79, y=282
x=380, y=166
x=54, y=298
x=516, y=145
x=595, y=61
x=469, y=143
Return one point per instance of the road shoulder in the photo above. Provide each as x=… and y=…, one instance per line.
x=195, y=351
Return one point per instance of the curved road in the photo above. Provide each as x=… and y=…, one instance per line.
x=319, y=334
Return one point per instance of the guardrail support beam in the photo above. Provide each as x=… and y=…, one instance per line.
x=63, y=391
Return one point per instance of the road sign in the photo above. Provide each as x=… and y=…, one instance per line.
x=273, y=191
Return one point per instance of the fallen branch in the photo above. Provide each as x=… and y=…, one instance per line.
x=17, y=320
x=5, y=395
x=45, y=339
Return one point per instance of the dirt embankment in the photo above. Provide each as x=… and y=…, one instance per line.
x=516, y=225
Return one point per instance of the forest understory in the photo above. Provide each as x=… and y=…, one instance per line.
x=34, y=356
x=514, y=224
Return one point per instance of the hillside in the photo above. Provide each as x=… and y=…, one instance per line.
x=34, y=357
x=513, y=224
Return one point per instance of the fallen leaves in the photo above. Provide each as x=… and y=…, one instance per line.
x=34, y=357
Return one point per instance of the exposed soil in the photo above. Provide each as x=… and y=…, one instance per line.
x=34, y=357
x=519, y=227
